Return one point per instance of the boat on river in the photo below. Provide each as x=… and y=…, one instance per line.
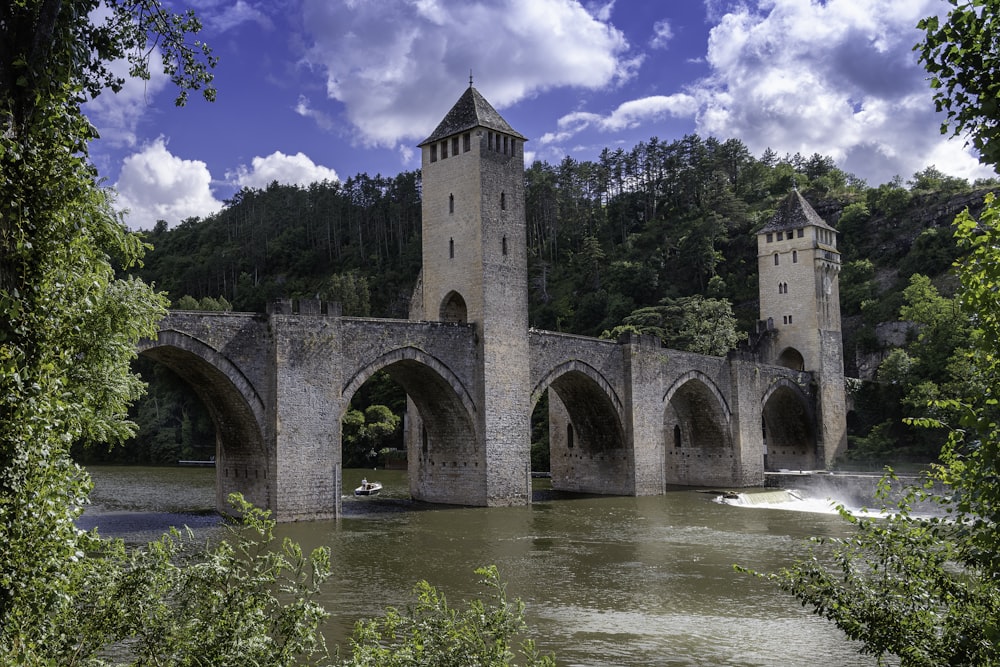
x=368, y=488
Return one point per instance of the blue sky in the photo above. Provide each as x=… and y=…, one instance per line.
x=325, y=89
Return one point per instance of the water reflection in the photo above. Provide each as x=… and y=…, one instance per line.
x=606, y=580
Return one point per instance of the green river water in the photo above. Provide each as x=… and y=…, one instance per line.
x=606, y=580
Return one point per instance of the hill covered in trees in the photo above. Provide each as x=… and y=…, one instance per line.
x=650, y=226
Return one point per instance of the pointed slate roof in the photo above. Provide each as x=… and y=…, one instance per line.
x=471, y=110
x=794, y=212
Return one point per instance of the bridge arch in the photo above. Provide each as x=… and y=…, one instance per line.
x=697, y=432
x=788, y=422
x=243, y=462
x=588, y=450
x=443, y=458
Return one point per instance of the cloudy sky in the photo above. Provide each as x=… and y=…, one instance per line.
x=326, y=89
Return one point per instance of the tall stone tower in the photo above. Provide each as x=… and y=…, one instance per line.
x=475, y=271
x=798, y=268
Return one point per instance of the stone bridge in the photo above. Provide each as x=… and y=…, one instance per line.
x=627, y=417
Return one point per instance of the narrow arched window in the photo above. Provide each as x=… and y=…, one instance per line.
x=503, y=201
x=776, y=259
x=569, y=435
x=451, y=248
x=795, y=257
x=504, y=249
x=677, y=435
x=451, y=205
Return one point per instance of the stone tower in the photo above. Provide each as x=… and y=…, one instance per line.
x=475, y=271
x=798, y=268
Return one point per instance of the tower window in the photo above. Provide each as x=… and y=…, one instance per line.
x=451, y=207
x=466, y=142
x=505, y=145
x=770, y=238
x=504, y=247
x=795, y=257
x=503, y=201
x=451, y=248
x=569, y=435
x=780, y=236
x=444, y=149
x=454, y=145
x=776, y=259
x=489, y=140
x=512, y=142
x=434, y=153
x=799, y=232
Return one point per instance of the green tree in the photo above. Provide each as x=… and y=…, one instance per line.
x=365, y=434
x=932, y=179
x=962, y=55
x=692, y=324
x=432, y=634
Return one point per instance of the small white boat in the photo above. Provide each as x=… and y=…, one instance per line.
x=368, y=488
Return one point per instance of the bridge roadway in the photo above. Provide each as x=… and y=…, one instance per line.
x=626, y=417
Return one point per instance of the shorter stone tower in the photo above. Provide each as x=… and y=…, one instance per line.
x=798, y=269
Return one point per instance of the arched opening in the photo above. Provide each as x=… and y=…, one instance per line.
x=453, y=308
x=241, y=460
x=789, y=437
x=442, y=458
x=371, y=431
x=586, y=450
x=791, y=358
x=697, y=421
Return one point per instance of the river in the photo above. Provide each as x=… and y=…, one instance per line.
x=605, y=580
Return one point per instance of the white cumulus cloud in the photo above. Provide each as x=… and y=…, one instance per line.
x=837, y=78
x=157, y=185
x=629, y=114
x=389, y=63
x=296, y=169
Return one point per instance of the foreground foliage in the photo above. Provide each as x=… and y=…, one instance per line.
x=68, y=331
x=435, y=635
x=249, y=600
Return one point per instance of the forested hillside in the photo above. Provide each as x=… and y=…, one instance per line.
x=634, y=229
